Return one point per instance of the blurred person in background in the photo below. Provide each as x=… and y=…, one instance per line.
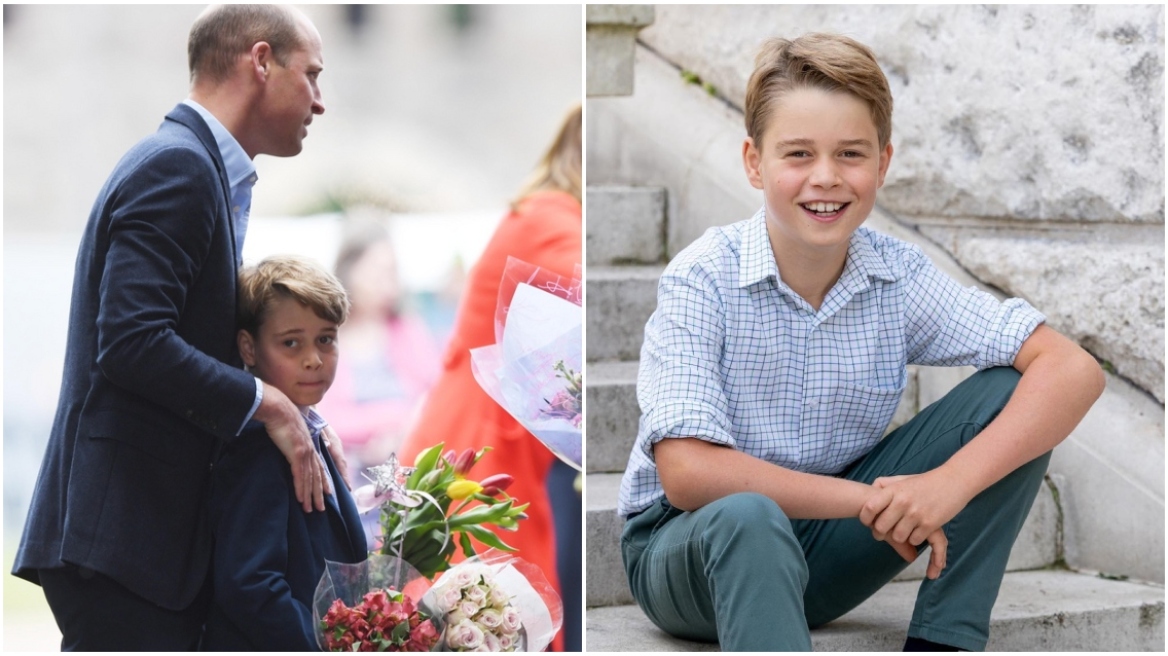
x=391, y=358
x=543, y=228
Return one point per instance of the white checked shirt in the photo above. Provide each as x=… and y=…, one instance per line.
x=733, y=356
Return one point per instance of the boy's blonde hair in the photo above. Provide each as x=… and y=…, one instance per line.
x=830, y=62
x=288, y=276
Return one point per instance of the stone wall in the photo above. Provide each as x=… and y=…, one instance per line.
x=1028, y=143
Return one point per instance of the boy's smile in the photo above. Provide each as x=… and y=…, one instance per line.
x=819, y=165
x=295, y=351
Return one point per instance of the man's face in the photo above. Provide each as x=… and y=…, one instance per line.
x=292, y=97
x=295, y=351
x=819, y=165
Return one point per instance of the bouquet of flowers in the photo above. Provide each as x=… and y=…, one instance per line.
x=533, y=369
x=495, y=602
x=372, y=606
x=427, y=508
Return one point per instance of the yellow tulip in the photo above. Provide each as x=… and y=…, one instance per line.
x=459, y=490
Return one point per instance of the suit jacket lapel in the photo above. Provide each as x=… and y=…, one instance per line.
x=188, y=117
x=346, y=515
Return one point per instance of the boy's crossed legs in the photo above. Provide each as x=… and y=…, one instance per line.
x=740, y=572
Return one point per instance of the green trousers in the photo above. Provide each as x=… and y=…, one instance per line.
x=740, y=572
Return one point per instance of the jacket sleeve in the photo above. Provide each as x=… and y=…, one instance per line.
x=160, y=235
x=250, y=509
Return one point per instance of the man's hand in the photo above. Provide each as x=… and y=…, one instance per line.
x=911, y=508
x=337, y=451
x=288, y=431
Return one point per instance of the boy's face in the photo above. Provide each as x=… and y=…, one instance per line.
x=295, y=351
x=819, y=165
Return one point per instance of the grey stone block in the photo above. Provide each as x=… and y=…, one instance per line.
x=606, y=584
x=610, y=60
x=626, y=225
x=1054, y=611
x=619, y=302
x=627, y=15
x=611, y=395
x=1113, y=498
x=611, y=34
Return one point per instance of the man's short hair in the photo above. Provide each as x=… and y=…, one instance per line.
x=288, y=276
x=830, y=62
x=221, y=34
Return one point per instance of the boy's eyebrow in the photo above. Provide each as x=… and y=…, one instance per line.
x=811, y=142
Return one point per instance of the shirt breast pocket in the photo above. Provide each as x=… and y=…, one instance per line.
x=860, y=416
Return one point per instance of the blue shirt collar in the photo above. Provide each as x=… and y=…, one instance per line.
x=240, y=169
x=315, y=422
x=757, y=261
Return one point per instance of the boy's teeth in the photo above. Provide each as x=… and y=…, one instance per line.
x=822, y=208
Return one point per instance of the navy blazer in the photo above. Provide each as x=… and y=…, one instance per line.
x=269, y=553
x=152, y=377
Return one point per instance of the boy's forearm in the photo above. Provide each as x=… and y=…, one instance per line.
x=695, y=472
x=1059, y=384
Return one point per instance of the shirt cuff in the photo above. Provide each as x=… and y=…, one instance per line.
x=255, y=406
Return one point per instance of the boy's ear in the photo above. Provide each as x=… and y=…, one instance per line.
x=885, y=159
x=246, y=347
x=750, y=161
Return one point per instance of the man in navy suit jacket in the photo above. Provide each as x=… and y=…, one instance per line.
x=118, y=535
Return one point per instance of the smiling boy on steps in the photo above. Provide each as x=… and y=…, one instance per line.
x=760, y=497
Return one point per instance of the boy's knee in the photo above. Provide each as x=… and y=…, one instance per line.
x=750, y=517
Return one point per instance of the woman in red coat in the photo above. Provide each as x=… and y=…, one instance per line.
x=543, y=228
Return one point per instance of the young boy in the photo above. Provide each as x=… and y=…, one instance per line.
x=269, y=554
x=760, y=497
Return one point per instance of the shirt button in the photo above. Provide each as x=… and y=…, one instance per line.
x=235, y=209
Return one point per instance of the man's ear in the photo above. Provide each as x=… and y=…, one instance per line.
x=260, y=58
x=750, y=161
x=246, y=347
x=885, y=159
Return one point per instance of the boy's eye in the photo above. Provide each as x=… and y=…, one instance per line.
x=291, y=343
x=327, y=339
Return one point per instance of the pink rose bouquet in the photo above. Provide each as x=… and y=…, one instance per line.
x=495, y=602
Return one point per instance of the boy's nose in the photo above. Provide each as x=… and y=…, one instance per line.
x=824, y=174
x=312, y=360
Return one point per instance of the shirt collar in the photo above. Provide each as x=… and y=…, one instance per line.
x=240, y=168
x=757, y=260
x=315, y=422
x=863, y=260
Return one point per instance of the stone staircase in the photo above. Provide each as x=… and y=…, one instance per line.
x=1042, y=605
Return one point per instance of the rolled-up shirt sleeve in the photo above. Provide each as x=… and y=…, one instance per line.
x=680, y=385
x=948, y=325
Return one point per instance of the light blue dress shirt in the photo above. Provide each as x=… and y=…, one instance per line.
x=241, y=176
x=733, y=356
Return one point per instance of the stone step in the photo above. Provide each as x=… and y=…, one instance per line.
x=619, y=302
x=1036, y=546
x=626, y=225
x=611, y=396
x=1046, y=610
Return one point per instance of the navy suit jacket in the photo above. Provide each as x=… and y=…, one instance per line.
x=152, y=379
x=269, y=553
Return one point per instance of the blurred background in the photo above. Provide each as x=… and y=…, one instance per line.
x=435, y=116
